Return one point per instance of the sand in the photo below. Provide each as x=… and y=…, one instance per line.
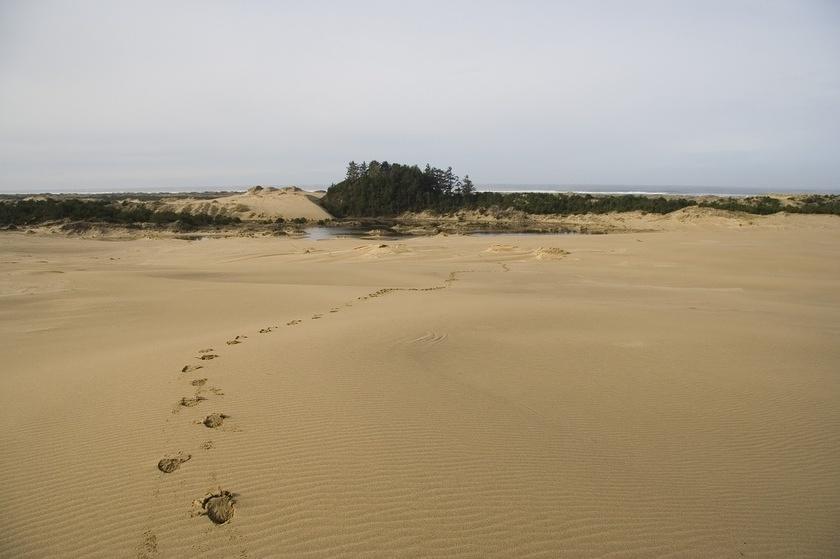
x=628, y=395
x=258, y=203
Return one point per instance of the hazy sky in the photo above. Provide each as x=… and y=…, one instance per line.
x=118, y=95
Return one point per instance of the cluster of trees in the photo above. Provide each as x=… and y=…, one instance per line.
x=385, y=189
x=30, y=212
x=388, y=189
x=446, y=181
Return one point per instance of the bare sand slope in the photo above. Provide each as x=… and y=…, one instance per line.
x=665, y=394
x=257, y=203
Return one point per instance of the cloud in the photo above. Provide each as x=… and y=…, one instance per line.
x=195, y=94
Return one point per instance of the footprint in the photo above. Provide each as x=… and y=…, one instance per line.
x=218, y=507
x=168, y=465
x=208, y=350
x=214, y=420
x=208, y=445
x=316, y=316
x=190, y=402
x=501, y=248
x=188, y=368
x=333, y=310
x=235, y=341
x=293, y=322
x=148, y=548
x=199, y=382
x=549, y=253
x=216, y=391
x=207, y=356
x=265, y=330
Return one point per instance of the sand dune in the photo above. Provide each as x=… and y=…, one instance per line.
x=647, y=395
x=258, y=203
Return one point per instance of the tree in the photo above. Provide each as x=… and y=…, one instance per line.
x=467, y=188
x=352, y=171
x=449, y=179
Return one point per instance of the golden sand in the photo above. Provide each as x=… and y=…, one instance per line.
x=633, y=395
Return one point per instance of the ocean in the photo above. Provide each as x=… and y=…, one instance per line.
x=653, y=190
x=492, y=187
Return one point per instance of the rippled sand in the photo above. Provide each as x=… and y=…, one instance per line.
x=640, y=395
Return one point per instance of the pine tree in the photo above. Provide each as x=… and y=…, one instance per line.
x=352, y=171
x=448, y=181
x=467, y=189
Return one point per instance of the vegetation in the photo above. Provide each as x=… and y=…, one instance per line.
x=566, y=204
x=388, y=189
x=30, y=212
x=385, y=189
x=765, y=205
x=762, y=205
x=818, y=204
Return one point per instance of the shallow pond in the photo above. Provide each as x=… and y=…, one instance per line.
x=326, y=233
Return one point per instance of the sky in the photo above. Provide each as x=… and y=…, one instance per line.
x=103, y=95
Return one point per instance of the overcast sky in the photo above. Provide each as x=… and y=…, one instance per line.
x=117, y=95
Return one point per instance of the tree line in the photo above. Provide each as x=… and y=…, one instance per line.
x=388, y=189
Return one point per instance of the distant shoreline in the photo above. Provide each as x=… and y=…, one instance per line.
x=599, y=190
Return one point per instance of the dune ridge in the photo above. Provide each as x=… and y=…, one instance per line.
x=258, y=203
